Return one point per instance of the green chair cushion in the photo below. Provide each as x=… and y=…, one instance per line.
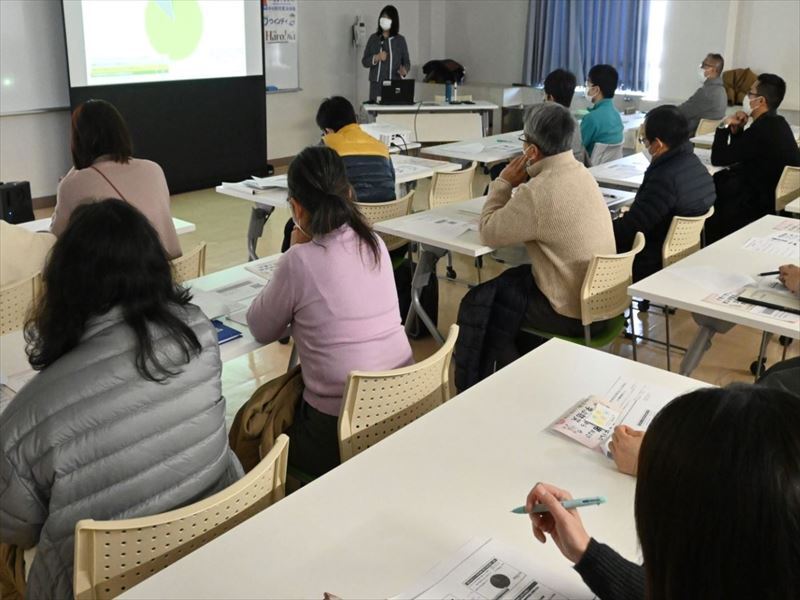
x=613, y=329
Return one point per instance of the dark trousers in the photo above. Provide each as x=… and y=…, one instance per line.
x=540, y=315
x=314, y=441
x=736, y=206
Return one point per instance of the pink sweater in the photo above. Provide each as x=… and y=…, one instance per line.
x=343, y=313
x=140, y=182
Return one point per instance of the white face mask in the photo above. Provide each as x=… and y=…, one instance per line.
x=586, y=93
x=296, y=224
x=701, y=74
x=647, y=155
x=747, y=106
x=386, y=24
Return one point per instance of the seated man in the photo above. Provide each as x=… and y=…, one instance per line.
x=559, y=86
x=366, y=159
x=602, y=123
x=559, y=214
x=710, y=99
x=675, y=183
x=756, y=157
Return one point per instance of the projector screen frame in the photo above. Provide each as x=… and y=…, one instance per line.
x=200, y=131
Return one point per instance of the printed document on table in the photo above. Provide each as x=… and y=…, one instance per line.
x=783, y=243
x=485, y=569
x=626, y=172
x=591, y=421
x=468, y=148
x=730, y=299
x=788, y=225
x=443, y=225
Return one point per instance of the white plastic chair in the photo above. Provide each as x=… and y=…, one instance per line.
x=190, y=265
x=16, y=300
x=113, y=556
x=603, y=153
x=705, y=126
x=378, y=404
x=788, y=187
x=604, y=296
x=375, y=212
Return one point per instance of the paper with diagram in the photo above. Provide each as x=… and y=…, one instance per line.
x=592, y=420
x=485, y=569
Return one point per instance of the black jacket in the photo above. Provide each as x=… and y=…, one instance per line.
x=757, y=156
x=489, y=318
x=676, y=183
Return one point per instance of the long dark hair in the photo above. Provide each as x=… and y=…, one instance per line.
x=109, y=256
x=718, y=496
x=391, y=12
x=98, y=129
x=318, y=181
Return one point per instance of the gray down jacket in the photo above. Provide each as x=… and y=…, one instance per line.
x=88, y=437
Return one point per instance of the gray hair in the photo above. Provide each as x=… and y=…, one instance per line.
x=550, y=126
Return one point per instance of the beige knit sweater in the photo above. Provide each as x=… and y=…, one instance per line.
x=562, y=219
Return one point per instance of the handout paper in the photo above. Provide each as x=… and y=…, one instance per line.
x=263, y=183
x=626, y=172
x=785, y=244
x=486, y=570
x=730, y=299
x=263, y=269
x=468, y=148
x=712, y=279
x=592, y=420
x=444, y=225
x=789, y=225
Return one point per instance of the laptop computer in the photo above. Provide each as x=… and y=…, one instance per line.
x=397, y=91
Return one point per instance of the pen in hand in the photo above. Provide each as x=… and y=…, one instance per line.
x=766, y=273
x=568, y=504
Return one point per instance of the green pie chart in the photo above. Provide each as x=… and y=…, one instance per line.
x=174, y=27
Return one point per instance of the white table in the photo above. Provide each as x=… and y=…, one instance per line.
x=444, y=229
x=493, y=148
x=264, y=202
x=688, y=283
x=373, y=526
x=793, y=206
x=707, y=140
x=628, y=172
x=413, y=168
x=484, y=108
x=14, y=362
x=181, y=226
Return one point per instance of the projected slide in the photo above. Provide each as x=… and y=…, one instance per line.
x=134, y=41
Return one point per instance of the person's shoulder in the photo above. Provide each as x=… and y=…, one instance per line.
x=145, y=166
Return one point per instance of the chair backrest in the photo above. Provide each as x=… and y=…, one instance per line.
x=378, y=404
x=604, y=294
x=190, y=265
x=788, y=187
x=447, y=188
x=705, y=126
x=113, y=556
x=637, y=145
x=603, y=153
x=683, y=237
x=15, y=301
x=383, y=211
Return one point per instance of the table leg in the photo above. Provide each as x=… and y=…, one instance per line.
x=426, y=268
x=765, y=337
x=258, y=218
x=709, y=327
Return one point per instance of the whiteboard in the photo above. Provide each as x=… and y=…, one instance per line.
x=33, y=59
x=281, y=61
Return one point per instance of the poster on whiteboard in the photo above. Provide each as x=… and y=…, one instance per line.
x=281, y=61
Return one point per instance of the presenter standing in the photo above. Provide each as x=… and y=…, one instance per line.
x=386, y=53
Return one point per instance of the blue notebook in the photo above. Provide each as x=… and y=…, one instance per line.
x=225, y=333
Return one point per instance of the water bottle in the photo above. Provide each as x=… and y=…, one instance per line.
x=455, y=92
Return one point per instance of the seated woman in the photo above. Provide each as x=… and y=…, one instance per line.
x=675, y=184
x=717, y=503
x=103, y=167
x=335, y=288
x=126, y=417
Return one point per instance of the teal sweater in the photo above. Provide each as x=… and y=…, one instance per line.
x=601, y=124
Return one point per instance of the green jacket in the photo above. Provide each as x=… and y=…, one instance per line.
x=602, y=124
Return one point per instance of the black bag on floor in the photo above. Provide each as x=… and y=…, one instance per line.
x=15, y=202
x=403, y=273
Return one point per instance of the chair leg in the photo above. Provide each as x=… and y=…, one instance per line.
x=633, y=334
x=587, y=335
x=669, y=350
x=451, y=272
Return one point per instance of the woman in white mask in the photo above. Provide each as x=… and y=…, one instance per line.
x=386, y=52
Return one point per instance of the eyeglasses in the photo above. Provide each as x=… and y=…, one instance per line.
x=642, y=140
x=753, y=95
x=525, y=139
